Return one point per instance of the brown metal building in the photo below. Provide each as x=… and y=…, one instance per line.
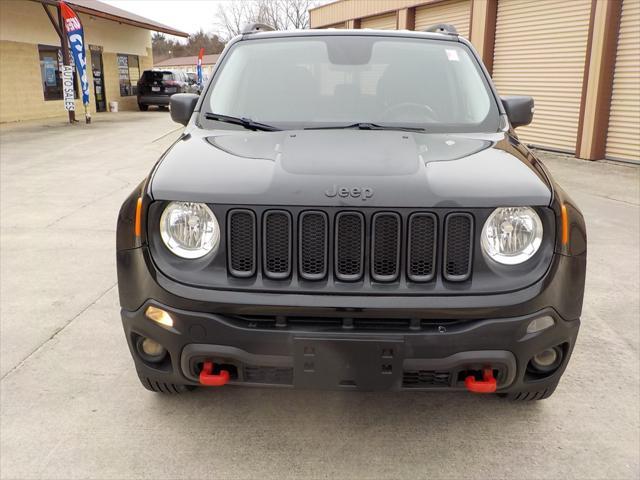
x=579, y=59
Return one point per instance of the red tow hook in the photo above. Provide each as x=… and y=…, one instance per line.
x=208, y=378
x=486, y=385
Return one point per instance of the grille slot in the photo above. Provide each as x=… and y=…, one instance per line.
x=425, y=378
x=349, y=256
x=277, y=244
x=242, y=243
x=385, y=247
x=421, y=255
x=457, y=247
x=313, y=245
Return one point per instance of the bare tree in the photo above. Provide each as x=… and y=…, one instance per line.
x=297, y=12
x=280, y=14
x=231, y=17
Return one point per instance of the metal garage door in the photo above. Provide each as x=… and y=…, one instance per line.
x=381, y=22
x=540, y=50
x=455, y=12
x=623, y=138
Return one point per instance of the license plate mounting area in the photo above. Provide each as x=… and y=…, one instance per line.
x=348, y=363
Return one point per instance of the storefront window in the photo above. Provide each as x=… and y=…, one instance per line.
x=50, y=58
x=129, y=73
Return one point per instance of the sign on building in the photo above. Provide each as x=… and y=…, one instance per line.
x=68, y=94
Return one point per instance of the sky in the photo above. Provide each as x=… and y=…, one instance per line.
x=186, y=15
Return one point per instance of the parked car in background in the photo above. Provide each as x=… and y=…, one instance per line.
x=155, y=87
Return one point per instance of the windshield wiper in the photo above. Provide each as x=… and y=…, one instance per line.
x=368, y=126
x=244, y=122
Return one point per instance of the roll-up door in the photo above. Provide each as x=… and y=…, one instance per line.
x=455, y=12
x=540, y=50
x=623, y=137
x=381, y=22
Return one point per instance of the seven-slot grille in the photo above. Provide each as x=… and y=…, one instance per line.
x=348, y=245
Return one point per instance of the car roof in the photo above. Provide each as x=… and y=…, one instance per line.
x=335, y=32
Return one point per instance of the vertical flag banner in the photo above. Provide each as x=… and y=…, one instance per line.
x=75, y=34
x=199, y=67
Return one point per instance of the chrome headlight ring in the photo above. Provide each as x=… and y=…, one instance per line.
x=512, y=235
x=189, y=230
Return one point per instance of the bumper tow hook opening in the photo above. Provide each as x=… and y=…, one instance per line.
x=486, y=385
x=210, y=379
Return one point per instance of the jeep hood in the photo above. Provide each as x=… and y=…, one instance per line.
x=331, y=167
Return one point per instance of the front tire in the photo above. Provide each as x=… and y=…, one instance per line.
x=143, y=107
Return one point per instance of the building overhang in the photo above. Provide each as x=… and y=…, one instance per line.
x=108, y=12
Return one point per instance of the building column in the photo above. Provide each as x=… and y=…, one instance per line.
x=597, y=84
x=407, y=19
x=483, y=29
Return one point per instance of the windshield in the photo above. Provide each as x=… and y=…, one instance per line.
x=310, y=82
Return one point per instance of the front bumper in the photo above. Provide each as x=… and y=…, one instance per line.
x=458, y=335
x=162, y=100
x=438, y=357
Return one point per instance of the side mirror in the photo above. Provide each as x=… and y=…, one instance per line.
x=519, y=109
x=182, y=106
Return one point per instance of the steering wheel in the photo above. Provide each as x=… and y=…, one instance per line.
x=424, y=112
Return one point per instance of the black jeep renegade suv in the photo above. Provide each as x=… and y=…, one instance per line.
x=351, y=210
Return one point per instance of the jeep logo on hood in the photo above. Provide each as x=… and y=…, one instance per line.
x=349, y=192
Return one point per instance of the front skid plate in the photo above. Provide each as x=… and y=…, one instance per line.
x=343, y=363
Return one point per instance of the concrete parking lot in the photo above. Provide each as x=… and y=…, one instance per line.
x=72, y=406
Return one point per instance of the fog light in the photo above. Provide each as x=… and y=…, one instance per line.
x=150, y=350
x=547, y=360
x=159, y=316
x=539, y=324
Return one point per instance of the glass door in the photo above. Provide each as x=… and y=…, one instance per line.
x=98, y=78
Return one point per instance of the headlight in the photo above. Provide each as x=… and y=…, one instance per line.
x=512, y=235
x=189, y=230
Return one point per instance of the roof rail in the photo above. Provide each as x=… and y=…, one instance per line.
x=256, y=28
x=445, y=28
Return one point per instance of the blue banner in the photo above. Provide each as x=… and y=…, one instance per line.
x=75, y=34
x=199, y=67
